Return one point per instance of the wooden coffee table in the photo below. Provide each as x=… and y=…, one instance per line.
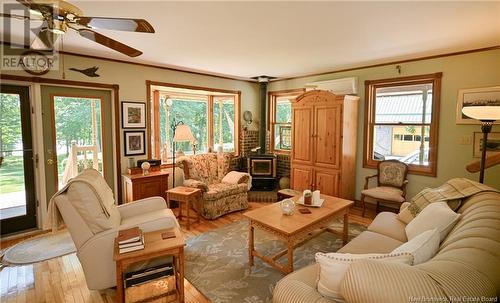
x=295, y=229
x=154, y=246
x=187, y=197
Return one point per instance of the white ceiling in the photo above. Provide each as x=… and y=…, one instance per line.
x=289, y=38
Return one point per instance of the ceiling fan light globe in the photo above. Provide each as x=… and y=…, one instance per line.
x=35, y=13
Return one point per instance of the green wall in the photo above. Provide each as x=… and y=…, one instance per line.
x=132, y=81
x=471, y=70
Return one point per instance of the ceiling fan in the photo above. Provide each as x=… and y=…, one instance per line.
x=58, y=16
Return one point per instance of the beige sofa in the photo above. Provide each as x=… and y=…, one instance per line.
x=206, y=172
x=467, y=264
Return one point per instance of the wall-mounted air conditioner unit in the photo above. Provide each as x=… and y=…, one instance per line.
x=344, y=86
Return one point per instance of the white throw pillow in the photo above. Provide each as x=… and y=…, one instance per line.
x=435, y=215
x=423, y=247
x=235, y=177
x=333, y=267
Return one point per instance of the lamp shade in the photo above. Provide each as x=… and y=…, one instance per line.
x=183, y=134
x=482, y=113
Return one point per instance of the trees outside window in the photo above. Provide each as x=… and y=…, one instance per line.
x=211, y=115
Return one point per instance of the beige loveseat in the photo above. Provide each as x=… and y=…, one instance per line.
x=466, y=267
x=206, y=172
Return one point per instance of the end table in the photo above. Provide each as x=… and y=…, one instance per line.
x=187, y=196
x=154, y=246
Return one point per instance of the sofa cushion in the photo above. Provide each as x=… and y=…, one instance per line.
x=333, y=267
x=423, y=247
x=299, y=287
x=385, y=193
x=388, y=224
x=375, y=281
x=436, y=215
x=221, y=190
x=370, y=242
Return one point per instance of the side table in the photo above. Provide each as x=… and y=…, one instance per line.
x=139, y=186
x=187, y=197
x=154, y=246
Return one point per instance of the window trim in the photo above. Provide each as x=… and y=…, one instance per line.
x=369, y=119
x=271, y=117
x=149, y=102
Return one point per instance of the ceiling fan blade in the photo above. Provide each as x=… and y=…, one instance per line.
x=119, y=24
x=37, y=6
x=45, y=39
x=108, y=42
x=19, y=17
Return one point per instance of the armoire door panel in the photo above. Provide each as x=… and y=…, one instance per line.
x=327, y=182
x=327, y=136
x=302, y=134
x=301, y=178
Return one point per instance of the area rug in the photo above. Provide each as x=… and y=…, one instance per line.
x=216, y=262
x=39, y=248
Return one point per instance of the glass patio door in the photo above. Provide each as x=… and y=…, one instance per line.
x=77, y=131
x=17, y=181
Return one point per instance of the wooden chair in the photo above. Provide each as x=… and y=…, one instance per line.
x=391, y=184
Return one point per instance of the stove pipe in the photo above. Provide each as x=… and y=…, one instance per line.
x=263, y=116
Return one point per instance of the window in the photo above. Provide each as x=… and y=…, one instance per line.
x=223, y=122
x=402, y=122
x=212, y=116
x=280, y=117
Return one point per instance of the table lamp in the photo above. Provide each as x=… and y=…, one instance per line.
x=182, y=133
x=487, y=115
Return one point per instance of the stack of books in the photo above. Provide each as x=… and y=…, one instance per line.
x=131, y=239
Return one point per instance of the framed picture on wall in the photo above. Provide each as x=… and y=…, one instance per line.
x=135, y=142
x=492, y=147
x=133, y=115
x=476, y=97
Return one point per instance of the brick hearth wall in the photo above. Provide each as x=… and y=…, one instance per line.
x=249, y=139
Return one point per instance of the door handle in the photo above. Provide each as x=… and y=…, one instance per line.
x=50, y=162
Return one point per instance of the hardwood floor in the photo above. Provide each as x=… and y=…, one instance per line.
x=62, y=280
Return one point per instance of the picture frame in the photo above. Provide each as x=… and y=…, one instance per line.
x=134, y=142
x=133, y=115
x=476, y=96
x=492, y=147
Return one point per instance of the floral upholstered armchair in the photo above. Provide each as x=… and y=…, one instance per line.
x=224, y=191
x=391, y=184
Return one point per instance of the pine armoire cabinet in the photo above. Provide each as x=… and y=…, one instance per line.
x=324, y=131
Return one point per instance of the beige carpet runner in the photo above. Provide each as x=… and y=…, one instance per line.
x=39, y=248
